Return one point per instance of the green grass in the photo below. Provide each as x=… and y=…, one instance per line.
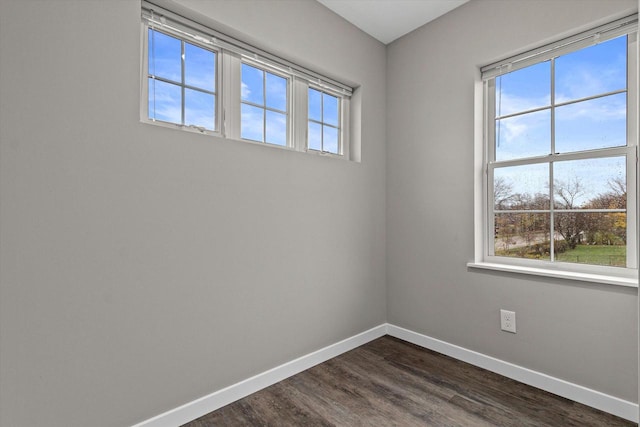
x=583, y=254
x=596, y=254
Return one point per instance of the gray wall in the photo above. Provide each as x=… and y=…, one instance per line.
x=583, y=333
x=142, y=267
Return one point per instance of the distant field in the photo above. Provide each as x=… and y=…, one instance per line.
x=596, y=254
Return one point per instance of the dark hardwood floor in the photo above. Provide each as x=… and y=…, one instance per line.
x=389, y=382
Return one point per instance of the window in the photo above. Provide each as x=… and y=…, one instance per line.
x=324, y=122
x=560, y=155
x=182, y=82
x=197, y=79
x=264, y=106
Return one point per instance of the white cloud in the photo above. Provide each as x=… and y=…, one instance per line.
x=608, y=108
x=276, y=128
x=583, y=82
x=507, y=103
x=513, y=128
x=244, y=91
x=252, y=123
x=523, y=136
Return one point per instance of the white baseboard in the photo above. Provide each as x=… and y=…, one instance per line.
x=197, y=408
x=575, y=392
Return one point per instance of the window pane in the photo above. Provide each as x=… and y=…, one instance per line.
x=315, y=105
x=591, y=238
x=588, y=125
x=199, y=109
x=276, y=128
x=330, y=109
x=522, y=136
x=276, y=92
x=591, y=71
x=522, y=235
x=252, y=89
x=330, y=139
x=524, y=89
x=199, y=67
x=252, y=126
x=165, y=56
x=315, y=136
x=590, y=184
x=521, y=187
x=165, y=101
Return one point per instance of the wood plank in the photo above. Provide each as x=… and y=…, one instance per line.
x=389, y=382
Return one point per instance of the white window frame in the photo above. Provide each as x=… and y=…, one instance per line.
x=323, y=123
x=184, y=38
x=484, y=163
x=230, y=54
x=289, y=104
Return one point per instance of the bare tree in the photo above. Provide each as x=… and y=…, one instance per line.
x=570, y=225
x=618, y=186
x=608, y=228
x=568, y=192
x=502, y=193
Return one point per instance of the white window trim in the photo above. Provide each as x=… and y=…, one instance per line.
x=144, y=96
x=234, y=103
x=483, y=236
x=343, y=123
x=230, y=54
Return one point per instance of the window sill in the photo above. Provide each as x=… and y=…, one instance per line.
x=569, y=275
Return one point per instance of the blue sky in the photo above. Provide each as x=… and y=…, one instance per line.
x=264, y=110
x=269, y=92
x=165, y=99
x=586, y=125
x=593, y=174
x=323, y=108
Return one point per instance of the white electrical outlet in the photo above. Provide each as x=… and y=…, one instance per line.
x=508, y=321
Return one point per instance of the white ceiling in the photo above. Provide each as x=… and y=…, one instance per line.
x=387, y=20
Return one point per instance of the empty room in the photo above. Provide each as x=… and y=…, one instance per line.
x=319, y=212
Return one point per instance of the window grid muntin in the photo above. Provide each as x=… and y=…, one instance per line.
x=182, y=83
x=562, y=104
x=630, y=160
x=266, y=69
x=322, y=123
x=629, y=151
x=186, y=86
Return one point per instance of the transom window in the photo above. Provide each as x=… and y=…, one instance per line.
x=264, y=106
x=560, y=155
x=181, y=81
x=324, y=122
x=197, y=79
